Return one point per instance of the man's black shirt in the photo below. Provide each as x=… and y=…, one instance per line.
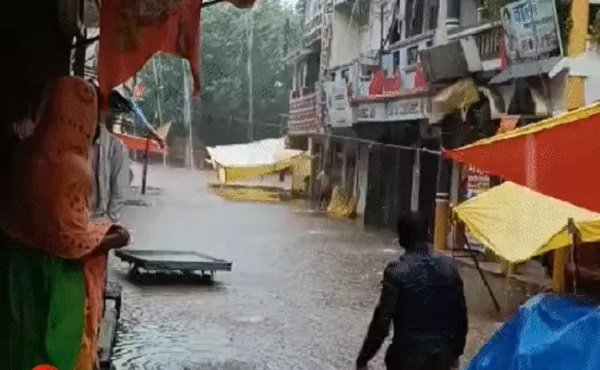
x=423, y=296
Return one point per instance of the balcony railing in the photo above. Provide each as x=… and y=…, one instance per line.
x=487, y=39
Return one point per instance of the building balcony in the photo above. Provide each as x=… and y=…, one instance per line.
x=410, y=80
x=304, y=112
x=312, y=31
x=487, y=39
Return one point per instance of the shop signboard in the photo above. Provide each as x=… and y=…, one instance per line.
x=531, y=29
x=403, y=109
x=371, y=112
x=338, y=104
x=477, y=182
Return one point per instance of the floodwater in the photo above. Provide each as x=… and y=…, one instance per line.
x=300, y=295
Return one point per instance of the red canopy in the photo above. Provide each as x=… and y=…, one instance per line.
x=132, y=31
x=557, y=157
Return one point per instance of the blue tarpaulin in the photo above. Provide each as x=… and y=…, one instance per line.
x=548, y=332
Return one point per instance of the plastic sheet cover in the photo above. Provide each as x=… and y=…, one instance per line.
x=518, y=223
x=548, y=332
x=245, y=161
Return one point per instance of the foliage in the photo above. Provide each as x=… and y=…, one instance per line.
x=224, y=60
x=223, y=68
x=163, y=80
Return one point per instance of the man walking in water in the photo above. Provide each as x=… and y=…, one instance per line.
x=423, y=296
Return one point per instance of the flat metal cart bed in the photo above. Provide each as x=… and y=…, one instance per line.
x=173, y=261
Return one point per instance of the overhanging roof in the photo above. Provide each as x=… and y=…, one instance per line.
x=525, y=69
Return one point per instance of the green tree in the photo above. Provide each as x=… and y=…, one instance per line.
x=223, y=72
x=224, y=77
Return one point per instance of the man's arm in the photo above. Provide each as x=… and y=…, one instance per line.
x=119, y=179
x=382, y=317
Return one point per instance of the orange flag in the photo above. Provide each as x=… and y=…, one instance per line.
x=134, y=30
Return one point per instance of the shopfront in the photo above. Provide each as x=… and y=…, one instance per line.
x=400, y=178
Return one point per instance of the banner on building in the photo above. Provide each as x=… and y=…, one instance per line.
x=338, y=104
x=531, y=29
x=403, y=109
x=476, y=182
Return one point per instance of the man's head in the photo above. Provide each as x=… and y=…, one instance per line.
x=412, y=229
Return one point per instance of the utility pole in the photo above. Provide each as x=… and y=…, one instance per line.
x=158, y=101
x=187, y=117
x=249, y=72
x=382, y=42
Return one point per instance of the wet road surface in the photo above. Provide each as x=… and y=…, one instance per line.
x=300, y=295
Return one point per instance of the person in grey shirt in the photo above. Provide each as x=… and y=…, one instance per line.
x=110, y=173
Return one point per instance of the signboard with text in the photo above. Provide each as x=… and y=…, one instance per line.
x=405, y=109
x=531, y=29
x=338, y=104
x=477, y=182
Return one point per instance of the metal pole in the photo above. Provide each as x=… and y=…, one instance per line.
x=574, y=233
x=145, y=170
x=158, y=104
x=416, y=183
x=187, y=118
x=485, y=282
x=249, y=72
x=381, y=43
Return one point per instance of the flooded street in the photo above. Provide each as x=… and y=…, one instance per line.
x=300, y=295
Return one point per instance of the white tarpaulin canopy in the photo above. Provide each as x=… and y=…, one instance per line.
x=252, y=159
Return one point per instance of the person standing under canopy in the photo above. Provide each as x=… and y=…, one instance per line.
x=109, y=160
x=53, y=264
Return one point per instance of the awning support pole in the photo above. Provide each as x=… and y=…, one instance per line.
x=574, y=233
x=145, y=171
x=485, y=282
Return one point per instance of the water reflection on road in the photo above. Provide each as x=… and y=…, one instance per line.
x=300, y=295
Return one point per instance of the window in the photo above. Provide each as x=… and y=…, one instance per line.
x=346, y=75
x=396, y=62
x=433, y=14
x=396, y=31
x=414, y=17
x=412, y=56
x=332, y=76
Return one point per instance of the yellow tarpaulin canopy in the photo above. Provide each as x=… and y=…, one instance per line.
x=518, y=223
x=245, y=161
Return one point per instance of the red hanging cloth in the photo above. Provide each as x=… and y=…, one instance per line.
x=132, y=31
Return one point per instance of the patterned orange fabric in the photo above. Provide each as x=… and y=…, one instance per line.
x=134, y=30
x=45, y=195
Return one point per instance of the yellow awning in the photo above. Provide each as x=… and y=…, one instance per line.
x=245, y=161
x=518, y=223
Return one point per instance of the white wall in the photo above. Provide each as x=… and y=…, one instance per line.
x=345, y=43
x=592, y=89
x=374, y=30
x=557, y=88
x=468, y=13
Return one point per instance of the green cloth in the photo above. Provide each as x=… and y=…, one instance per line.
x=42, y=308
